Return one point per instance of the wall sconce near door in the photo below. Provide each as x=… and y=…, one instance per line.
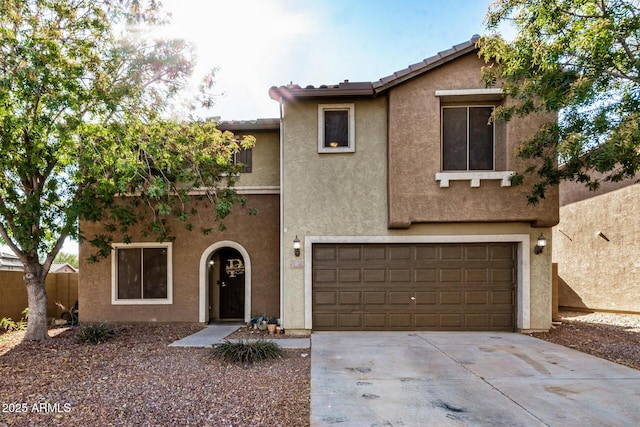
x=542, y=242
x=296, y=246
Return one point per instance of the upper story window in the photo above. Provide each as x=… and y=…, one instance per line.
x=467, y=138
x=336, y=128
x=142, y=273
x=243, y=157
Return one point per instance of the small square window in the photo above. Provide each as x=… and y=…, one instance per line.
x=336, y=128
x=141, y=274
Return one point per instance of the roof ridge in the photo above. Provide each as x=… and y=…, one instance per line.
x=347, y=88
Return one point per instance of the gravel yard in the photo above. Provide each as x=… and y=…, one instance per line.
x=136, y=379
x=611, y=336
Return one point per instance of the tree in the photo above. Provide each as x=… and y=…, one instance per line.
x=67, y=258
x=83, y=89
x=580, y=58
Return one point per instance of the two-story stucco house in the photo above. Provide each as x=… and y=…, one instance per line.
x=384, y=205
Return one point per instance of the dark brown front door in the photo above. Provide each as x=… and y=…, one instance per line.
x=231, y=284
x=414, y=286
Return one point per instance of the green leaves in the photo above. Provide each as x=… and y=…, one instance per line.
x=84, y=90
x=580, y=58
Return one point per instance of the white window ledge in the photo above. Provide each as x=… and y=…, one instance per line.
x=474, y=177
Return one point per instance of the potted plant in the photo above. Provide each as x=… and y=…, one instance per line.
x=272, y=322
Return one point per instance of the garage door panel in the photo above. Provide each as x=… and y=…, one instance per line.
x=451, y=275
x=400, y=253
x=325, y=297
x=349, y=253
x=375, y=298
x=400, y=320
x=476, y=275
x=426, y=274
x=451, y=298
x=451, y=252
x=375, y=320
x=325, y=320
x=400, y=297
x=476, y=253
x=478, y=320
x=414, y=287
x=400, y=275
x=426, y=298
x=324, y=253
x=502, y=252
x=476, y=297
x=429, y=321
x=374, y=252
x=427, y=252
x=375, y=275
x=327, y=276
x=502, y=275
x=502, y=297
x=501, y=320
x=349, y=320
x=349, y=298
x=347, y=275
x=451, y=320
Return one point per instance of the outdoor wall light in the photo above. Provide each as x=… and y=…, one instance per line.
x=296, y=246
x=542, y=242
x=211, y=262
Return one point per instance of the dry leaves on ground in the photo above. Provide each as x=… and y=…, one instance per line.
x=136, y=379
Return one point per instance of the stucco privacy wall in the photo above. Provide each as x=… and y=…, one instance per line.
x=258, y=235
x=595, y=271
x=414, y=156
x=346, y=195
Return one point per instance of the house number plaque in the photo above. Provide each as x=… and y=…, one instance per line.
x=234, y=267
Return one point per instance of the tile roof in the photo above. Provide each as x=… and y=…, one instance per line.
x=346, y=88
x=258, y=124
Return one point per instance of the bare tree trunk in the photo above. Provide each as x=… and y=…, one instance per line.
x=34, y=279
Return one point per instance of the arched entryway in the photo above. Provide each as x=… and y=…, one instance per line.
x=225, y=283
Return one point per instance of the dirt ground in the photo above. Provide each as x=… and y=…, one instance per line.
x=136, y=379
x=611, y=336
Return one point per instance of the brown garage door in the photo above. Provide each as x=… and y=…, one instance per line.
x=414, y=287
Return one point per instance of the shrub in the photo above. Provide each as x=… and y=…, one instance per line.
x=96, y=333
x=244, y=351
x=9, y=324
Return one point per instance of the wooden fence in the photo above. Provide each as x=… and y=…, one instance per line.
x=61, y=287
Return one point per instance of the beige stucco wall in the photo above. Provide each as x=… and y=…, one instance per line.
x=265, y=160
x=595, y=273
x=414, y=157
x=346, y=195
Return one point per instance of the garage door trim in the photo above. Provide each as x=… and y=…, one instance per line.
x=523, y=262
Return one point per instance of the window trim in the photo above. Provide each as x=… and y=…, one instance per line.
x=493, y=130
x=114, y=273
x=351, y=147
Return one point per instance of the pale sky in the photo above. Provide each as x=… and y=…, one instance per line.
x=257, y=44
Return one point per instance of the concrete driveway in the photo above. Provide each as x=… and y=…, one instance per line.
x=440, y=378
